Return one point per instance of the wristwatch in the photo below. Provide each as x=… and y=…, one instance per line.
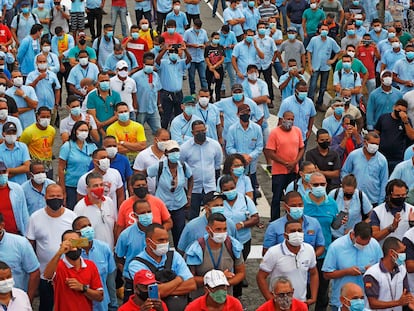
x=85, y=288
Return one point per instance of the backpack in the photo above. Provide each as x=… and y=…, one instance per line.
x=99, y=44
x=227, y=244
x=361, y=202
x=18, y=21
x=340, y=76
x=163, y=274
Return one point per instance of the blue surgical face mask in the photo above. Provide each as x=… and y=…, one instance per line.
x=157, y=48
x=262, y=31
x=319, y=191
x=391, y=35
x=401, y=257
x=76, y=111
x=251, y=4
x=272, y=25
x=26, y=10
x=355, y=2
x=237, y=97
x=238, y=171
x=231, y=194
x=291, y=36
x=123, y=117
x=4, y=178
x=173, y=56
x=104, y=85
x=148, y=69
x=296, y=212
x=135, y=35
x=215, y=41
x=171, y=30
x=410, y=55
x=189, y=110
x=145, y=219
x=88, y=232
x=356, y=304
x=346, y=65
x=339, y=111
x=302, y=95
x=351, y=32
x=358, y=22
x=174, y=157
x=110, y=34
x=249, y=39
x=217, y=210
x=324, y=33
x=307, y=177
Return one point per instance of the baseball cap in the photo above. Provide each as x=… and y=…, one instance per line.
x=384, y=72
x=170, y=145
x=82, y=34
x=214, y=278
x=9, y=127
x=121, y=64
x=336, y=100
x=236, y=87
x=144, y=277
x=188, y=100
x=3, y=166
x=292, y=29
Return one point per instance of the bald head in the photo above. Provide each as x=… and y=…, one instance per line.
x=349, y=292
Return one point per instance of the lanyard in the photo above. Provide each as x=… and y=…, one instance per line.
x=390, y=287
x=202, y=115
x=86, y=74
x=215, y=264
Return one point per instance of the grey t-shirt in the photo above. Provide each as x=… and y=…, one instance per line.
x=347, y=40
x=293, y=50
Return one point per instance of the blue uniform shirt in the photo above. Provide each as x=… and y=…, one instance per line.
x=24, y=25
x=45, y=88
x=35, y=200
x=14, y=158
x=147, y=94
x=225, y=41
x=405, y=71
x=229, y=14
x=164, y=6
x=252, y=18
x=405, y=171
x=246, y=54
x=171, y=74
x=112, y=60
x=321, y=52
x=26, y=118
x=180, y=21
x=192, y=37
x=77, y=73
x=332, y=125
x=211, y=117
x=26, y=53
x=181, y=128
x=390, y=57
x=105, y=49
x=268, y=46
x=289, y=90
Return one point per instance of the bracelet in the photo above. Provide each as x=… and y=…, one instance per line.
x=242, y=224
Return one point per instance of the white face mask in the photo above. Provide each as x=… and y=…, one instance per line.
x=176, y=7
x=82, y=135
x=144, y=27
x=44, y=122
x=161, y=145
x=6, y=286
x=387, y=81
x=352, y=54
x=372, y=148
x=46, y=48
x=123, y=73
x=161, y=249
x=203, y=101
x=18, y=81
x=252, y=76
x=395, y=45
x=3, y=114
x=112, y=151
x=2, y=89
x=219, y=237
x=42, y=66
x=377, y=29
x=104, y=164
x=39, y=178
x=10, y=139
x=83, y=61
x=295, y=238
x=313, y=5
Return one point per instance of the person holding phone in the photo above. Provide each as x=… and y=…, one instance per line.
x=146, y=296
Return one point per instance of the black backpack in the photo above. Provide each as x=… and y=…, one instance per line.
x=163, y=274
x=361, y=202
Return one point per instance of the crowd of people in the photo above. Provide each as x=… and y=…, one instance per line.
x=95, y=234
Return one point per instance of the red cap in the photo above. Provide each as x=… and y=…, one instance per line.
x=144, y=277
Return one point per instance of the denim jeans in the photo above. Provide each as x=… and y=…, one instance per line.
x=171, y=106
x=230, y=72
x=299, y=29
x=370, y=85
x=110, y=283
x=215, y=5
x=201, y=68
x=322, y=87
x=121, y=11
x=279, y=69
x=153, y=120
x=282, y=11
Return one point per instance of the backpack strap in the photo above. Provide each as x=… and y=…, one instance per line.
x=361, y=203
x=160, y=167
x=295, y=185
x=129, y=57
x=336, y=193
x=150, y=266
x=227, y=243
x=168, y=262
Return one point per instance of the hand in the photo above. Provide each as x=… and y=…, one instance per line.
x=42, y=76
x=308, y=133
x=239, y=226
x=310, y=301
x=240, y=75
x=19, y=92
x=396, y=220
x=290, y=166
x=62, y=68
x=405, y=299
x=353, y=271
x=65, y=247
x=74, y=284
x=344, y=220
x=87, y=118
x=349, y=131
x=216, y=75
x=151, y=304
x=403, y=116
x=228, y=274
x=247, y=158
x=408, y=83
x=311, y=69
x=411, y=215
x=330, y=61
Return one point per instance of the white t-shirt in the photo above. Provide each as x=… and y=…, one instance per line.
x=145, y=159
x=129, y=88
x=112, y=181
x=67, y=123
x=20, y=301
x=102, y=219
x=47, y=232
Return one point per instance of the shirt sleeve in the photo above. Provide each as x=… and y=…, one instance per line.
x=180, y=267
x=375, y=222
x=371, y=286
x=64, y=151
x=81, y=187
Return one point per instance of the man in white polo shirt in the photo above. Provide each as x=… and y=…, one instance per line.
x=294, y=259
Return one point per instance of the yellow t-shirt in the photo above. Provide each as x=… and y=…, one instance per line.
x=39, y=142
x=146, y=35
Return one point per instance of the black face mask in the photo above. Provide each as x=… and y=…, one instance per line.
x=54, y=204
x=73, y=255
x=141, y=192
x=200, y=137
x=245, y=117
x=82, y=41
x=397, y=201
x=324, y=144
x=397, y=114
x=348, y=195
x=398, y=29
x=142, y=295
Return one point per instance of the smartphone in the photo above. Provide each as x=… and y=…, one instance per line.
x=352, y=122
x=176, y=46
x=338, y=221
x=153, y=291
x=79, y=243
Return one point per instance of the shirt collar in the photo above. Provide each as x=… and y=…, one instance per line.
x=286, y=251
x=384, y=270
x=70, y=266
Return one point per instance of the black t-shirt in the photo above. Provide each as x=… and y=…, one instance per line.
x=214, y=54
x=11, y=105
x=394, y=139
x=330, y=162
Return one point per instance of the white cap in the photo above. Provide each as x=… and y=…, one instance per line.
x=170, y=145
x=121, y=64
x=214, y=278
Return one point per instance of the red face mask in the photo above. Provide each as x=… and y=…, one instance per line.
x=97, y=193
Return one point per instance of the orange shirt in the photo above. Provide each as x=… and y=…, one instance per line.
x=297, y=305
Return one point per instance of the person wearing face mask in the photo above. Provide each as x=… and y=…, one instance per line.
x=13, y=298
x=45, y=228
x=294, y=50
x=235, y=166
x=103, y=45
x=326, y=160
x=43, y=14
x=352, y=297
x=382, y=99
x=94, y=12
x=378, y=33
x=293, y=205
x=353, y=9
x=179, y=17
x=52, y=59
x=402, y=35
x=214, y=55
x=46, y=85
x=312, y=17
x=135, y=47
x=76, y=280
x=333, y=122
x=35, y=187
x=204, y=156
x=385, y=45
x=73, y=54
x=101, y=255
x=234, y=17
x=288, y=80
x=59, y=17
x=301, y=185
x=390, y=57
x=179, y=281
x=351, y=36
x=121, y=53
x=268, y=10
x=171, y=176
x=146, y=32
x=139, y=299
x=382, y=291
x=295, y=11
x=396, y=133
x=22, y=23
x=181, y=125
x=286, y=259
x=5, y=115
x=112, y=181
x=347, y=78
x=367, y=53
x=210, y=115
x=39, y=138
x=349, y=110
x=172, y=36
x=227, y=41
x=353, y=203
x=99, y=208
x=252, y=15
x=348, y=258
x=402, y=71
x=84, y=69
x=216, y=250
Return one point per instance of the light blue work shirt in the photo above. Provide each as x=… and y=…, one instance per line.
x=14, y=158
x=192, y=9
x=196, y=228
x=178, y=265
x=302, y=112
x=78, y=6
x=48, y=4
x=229, y=110
x=16, y=121
x=54, y=46
x=360, y=32
x=311, y=228
x=181, y=128
x=325, y=213
x=242, y=209
x=171, y=74
x=77, y=73
x=35, y=200
x=180, y=21
x=289, y=90
x=409, y=153
x=229, y=14
x=321, y=52
x=147, y=94
x=354, y=210
x=102, y=257
x=300, y=188
x=25, y=25
x=105, y=49
x=19, y=255
x=243, y=185
x=203, y=159
x=77, y=160
x=383, y=46
x=245, y=141
x=380, y=102
x=225, y=41
x=382, y=36
x=333, y=125
x=342, y=254
x=252, y=17
x=164, y=6
x=45, y=88
x=245, y=54
x=93, y=4
x=263, y=90
x=405, y=171
x=130, y=243
x=18, y=202
x=405, y=71
x=348, y=80
x=211, y=118
x=52, y=62
x=26, y=53
x=26, y=118
x=145, y=6
x=8, y=4
x=372, y=175
x=192, y=37
x=268, y=46
x=173, y=200
x=390, y=57
x=112, y=60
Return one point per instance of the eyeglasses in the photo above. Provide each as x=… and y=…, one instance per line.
x=283, y=295
x=173, y=185
x=102, y=216
x=323, y=184
x=123, y=86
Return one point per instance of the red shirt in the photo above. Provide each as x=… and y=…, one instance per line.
x=367, y=56
x=7, y=210
x=121, y=3
x=297, y=305
x=176, y=38
x=5, y=34
x=67, y=299
x=130, y=305
x=200, y=304
x=137, y=47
